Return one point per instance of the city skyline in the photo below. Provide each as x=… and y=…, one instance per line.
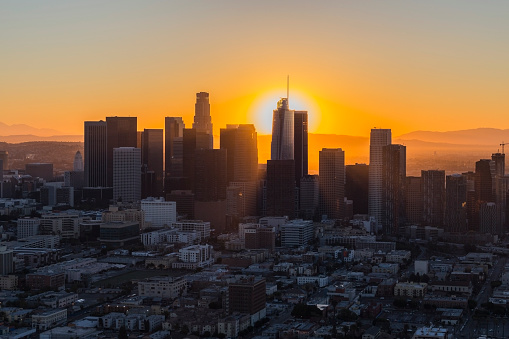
x=404, y=66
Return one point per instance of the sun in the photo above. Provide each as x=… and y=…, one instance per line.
x=260, y=111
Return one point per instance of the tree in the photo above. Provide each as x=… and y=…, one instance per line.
x=122, y=333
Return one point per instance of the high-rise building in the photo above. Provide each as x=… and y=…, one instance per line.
x=173, y=129
x=300, y=145
x=433, y=192
x=309, y=197
x=192, y=141
x=378, y=139
x=283, y=129
x=78, y=162
x=455, y=203
x=158, y=212
x=413, y=201
x=332, y=183
x=152, y=160
x=121, y=132
x=6, y=261
x=484, y=180
x=357, y=187
x=40, y=170
x=246, y=295
x=96, y=154
x=28, y=227
x=127, y=174
x=280, y=190
x=393, y=188
x=211, y=175
x=296, y=233
x=202, y=119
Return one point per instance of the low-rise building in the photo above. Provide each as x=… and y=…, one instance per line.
x=410, y=289
x=8, y=282
x=49, y=319
x=163, y=287
x=430, y=333
x=386, y=268
x=320, y=281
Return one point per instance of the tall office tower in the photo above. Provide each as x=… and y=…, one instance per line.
x=96, y=154
x=378, y=139
x=126, y=174
x=433, y=192
x=173, y=128
x=393, y=188
x=332, y=183
x=471, y=206
x=241, y=143
x=300, y=145
x=152, y=160
x=139, y=138
x=192, y=141
x=357, y=187
x=4, y=157
x=211, y=175
x=484, y=180
x=280, y=190
x=78, y=162
x=121, y=132
x=309, y=197
x=499, y=163
x=414, y=202
x=488, y=221
x=283, y=129
x=202, y=120
x=455, y=203
x=246, y=295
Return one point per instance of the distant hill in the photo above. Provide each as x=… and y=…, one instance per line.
x=478, y=136
x=22, y=129
x=15, y=139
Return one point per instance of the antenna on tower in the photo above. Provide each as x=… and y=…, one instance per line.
x=288, y=89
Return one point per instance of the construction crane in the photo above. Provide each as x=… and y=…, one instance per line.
x=503, y=144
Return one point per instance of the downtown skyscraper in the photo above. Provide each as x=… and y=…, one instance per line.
x=378, y=139
x=96, y=154
x=332, y=183
x=121, y=132
x=202, y=119
x=300, y=145
x=282, y=145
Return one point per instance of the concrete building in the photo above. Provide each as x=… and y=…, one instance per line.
x=127, y=174
x=202, y=227
x=246, y=295
x=297, y=233
x=27, y=227
x=162, y=287
x=49, y=319
x=414, y=290
x=378, y=139
x=6, y=261
x=158, y=212
x=332, y=183
x=119, y=234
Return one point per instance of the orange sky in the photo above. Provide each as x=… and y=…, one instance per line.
x=353, y=65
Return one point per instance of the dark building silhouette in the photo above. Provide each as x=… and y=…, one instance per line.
x=202, y=119
x=455, y=203
x=472, y=207
x=484, y=181
x=309, y=193
x=121, y=132
x=282, y=144
x=173, y=157
x=40, y=170
x=152, y=160
x=433, y=190
x=241, y=143
x=185, y=203
x=332, y=183
x=211, y=175
x=357, y=186
x=300, y=144
x=414, y=200
x=260, y=238
x=394, y=188
x=192, y=141
x=280, y=191
x=4, y=158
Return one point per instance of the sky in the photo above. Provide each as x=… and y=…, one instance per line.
x=354, y=65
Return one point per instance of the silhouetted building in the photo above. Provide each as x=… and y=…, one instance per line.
x=433, y=190
x=300, y=145
x=357, y=187
x=484, y=180
x=185, y=202
x=121, y=132
x=202, y=119
x=152, y=157
x=283, y=129
x=40, y=170
x=78, y=162
x=488, y=218
x=332, y=183
x=280, y=188
x=378, y=139
x=455, y=203
x=96, y=154
x=4, y=158
x=260, y=238
x=394, y=188
x=127, y=174
x=414, y=200
x=193, y=141
x=173, y=129
x=211, y=174
x=309, y=197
